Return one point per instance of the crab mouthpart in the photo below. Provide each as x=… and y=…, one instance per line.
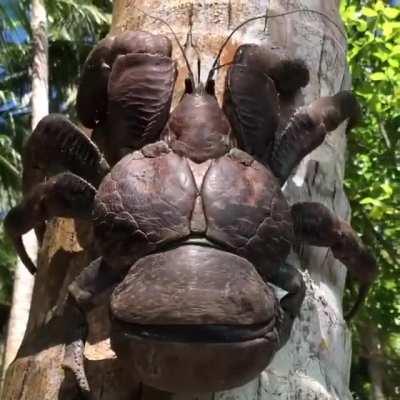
x=196, y=333
x=195, y=359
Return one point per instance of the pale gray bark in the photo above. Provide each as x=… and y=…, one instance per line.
x=315, y=363
x=23, y=280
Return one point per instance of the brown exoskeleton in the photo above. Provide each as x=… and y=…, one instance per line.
x=190, y=220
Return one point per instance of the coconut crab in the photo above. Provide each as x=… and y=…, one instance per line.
x=192, y=228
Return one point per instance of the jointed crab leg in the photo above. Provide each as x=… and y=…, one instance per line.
x=251, y=105
x=64, y=195
x=314, y=224
x=125, y=91
x=56, y=145
x=83, y=291
x=96, y=278
x=75, y=346
x=254, y=83
x=92, y=97
x=307, y=130
x=290, y=279
x=289, y=74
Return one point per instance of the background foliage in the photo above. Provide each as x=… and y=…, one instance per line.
x=373, y=169
x=373, y=186
x=73, y=28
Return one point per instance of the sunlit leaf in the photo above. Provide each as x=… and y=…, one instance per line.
x=378, y=76
x=390, y=12
x=369, y=12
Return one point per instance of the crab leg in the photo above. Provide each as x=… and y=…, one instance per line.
x=255, y=83
x=74, y=349
x=315, y=225
x=92, y=97
x=140, y=89
x=64, y=195
x=251, y=105
x=289, y=74
x=290, y=279
x=307, y=130
x=96, y=278
x=55, y=145
x=125, y=91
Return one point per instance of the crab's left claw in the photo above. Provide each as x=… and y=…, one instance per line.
x=316, y=225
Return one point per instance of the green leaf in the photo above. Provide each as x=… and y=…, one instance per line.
x=362, y=25
x=370, y=200
x=378, y=76
x=368, y=12
x=381, y=55
x=387, y=188
x=391, y=12
x=393, y=63
x=389, y=26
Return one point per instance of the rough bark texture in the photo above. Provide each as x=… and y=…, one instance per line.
x=316, y=361
x=23, y=280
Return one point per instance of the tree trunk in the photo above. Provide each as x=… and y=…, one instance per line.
x=23, y=280
x=316, y=361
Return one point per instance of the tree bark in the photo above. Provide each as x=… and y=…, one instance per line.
x=23, y=280
x=316, y=361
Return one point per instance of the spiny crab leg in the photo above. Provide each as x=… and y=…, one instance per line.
x=64, y=195
x=316, y=225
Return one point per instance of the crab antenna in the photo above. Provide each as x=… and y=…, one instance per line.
x=191, y=76
x=266, y=16
x=222, y=66
x=214, y=66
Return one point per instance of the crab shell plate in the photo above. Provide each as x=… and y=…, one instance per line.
x=207, y=322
